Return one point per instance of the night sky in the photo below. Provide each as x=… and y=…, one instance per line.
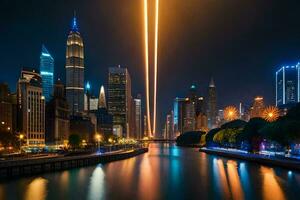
x=241, y=43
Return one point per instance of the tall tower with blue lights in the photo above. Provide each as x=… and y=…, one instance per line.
x=288, y=85
x=75, y=70
x=47, y=72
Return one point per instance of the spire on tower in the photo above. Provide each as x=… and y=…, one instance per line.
x=74, y=23
x=212, y=83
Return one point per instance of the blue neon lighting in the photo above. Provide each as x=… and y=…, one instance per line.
x=88, y=86
x=46, y=73
x=46, y=54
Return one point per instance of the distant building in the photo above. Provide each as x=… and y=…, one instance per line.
x=57, y=115
x=90, y=101
x=31, y=107
x=257, y=108
x=201, y=122
x=145, y=127
x=6, y=109
x=119, y=98
x=212, y=105
x=138, y=117
x=47, y=73
x=179, y=113
x=288, y=85
x=169, y=127
x=75, y=70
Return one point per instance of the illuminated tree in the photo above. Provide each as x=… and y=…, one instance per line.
x=230, y=113
x=271, y=113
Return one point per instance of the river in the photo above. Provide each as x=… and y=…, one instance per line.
x=165, y=172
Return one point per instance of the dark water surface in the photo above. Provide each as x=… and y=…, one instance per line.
x=165, y=172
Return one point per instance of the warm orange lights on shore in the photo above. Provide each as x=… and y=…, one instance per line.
x=271, y=113
x=231, y=113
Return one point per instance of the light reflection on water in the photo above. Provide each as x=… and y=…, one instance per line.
x=165, y=172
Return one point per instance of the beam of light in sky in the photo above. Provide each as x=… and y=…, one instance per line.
x=155, y=64
x=147, y=66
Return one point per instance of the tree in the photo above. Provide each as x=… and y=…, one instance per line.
x=189, y=138
x=210, y=136
x=227, y=137
x=251, y=133
x=74, y=140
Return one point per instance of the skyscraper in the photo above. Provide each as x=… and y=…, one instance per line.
x=257, y=108
x=102, y=100
x=75, y=70
x=47, y=72
x=288, y=85
x=178, y=115
x=138, y=117
x=119, y=98
x=31, y=108
x=212, y=105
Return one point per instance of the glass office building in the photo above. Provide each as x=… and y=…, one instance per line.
x=47, y=73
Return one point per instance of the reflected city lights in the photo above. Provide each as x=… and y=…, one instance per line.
x=234, y=180
x=96, y=188
x=271, y=188
x=37, y=189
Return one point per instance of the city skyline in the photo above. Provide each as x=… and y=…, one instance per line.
x=106, y=53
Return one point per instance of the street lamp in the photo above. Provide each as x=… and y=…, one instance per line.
x=21, y=137
x=98, y=139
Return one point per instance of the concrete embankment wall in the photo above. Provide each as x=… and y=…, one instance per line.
x=43, y=165
x=264, y=160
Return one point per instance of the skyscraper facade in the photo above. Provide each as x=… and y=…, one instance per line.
x=119, y=98
x=138, y=117
x=6, y=109
x=288, y=85
x=47, y=73
x=31, y=107
x=179, y=114
x=212, y=105
x=75, y=70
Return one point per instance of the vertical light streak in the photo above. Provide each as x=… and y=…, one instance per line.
x=147, y=66
x=155, y=64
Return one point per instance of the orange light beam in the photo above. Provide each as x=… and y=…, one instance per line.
x=155, y=65
x=147, y=66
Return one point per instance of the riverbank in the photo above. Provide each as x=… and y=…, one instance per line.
x=257, y=158
x=16, y=168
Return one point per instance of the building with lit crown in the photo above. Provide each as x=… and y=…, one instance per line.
x=75, y=70
x=47, y=72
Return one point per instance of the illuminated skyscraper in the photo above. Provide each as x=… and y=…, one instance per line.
x=119, y=98
x=102, y=100
x=75, y=70
x=47, y=72
x=288, y=85
x=179, y=115
x=257, y=108
x=31, y=108
x=212, y=105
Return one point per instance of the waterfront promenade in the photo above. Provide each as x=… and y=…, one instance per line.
x=284, y=162
x=31, y=166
